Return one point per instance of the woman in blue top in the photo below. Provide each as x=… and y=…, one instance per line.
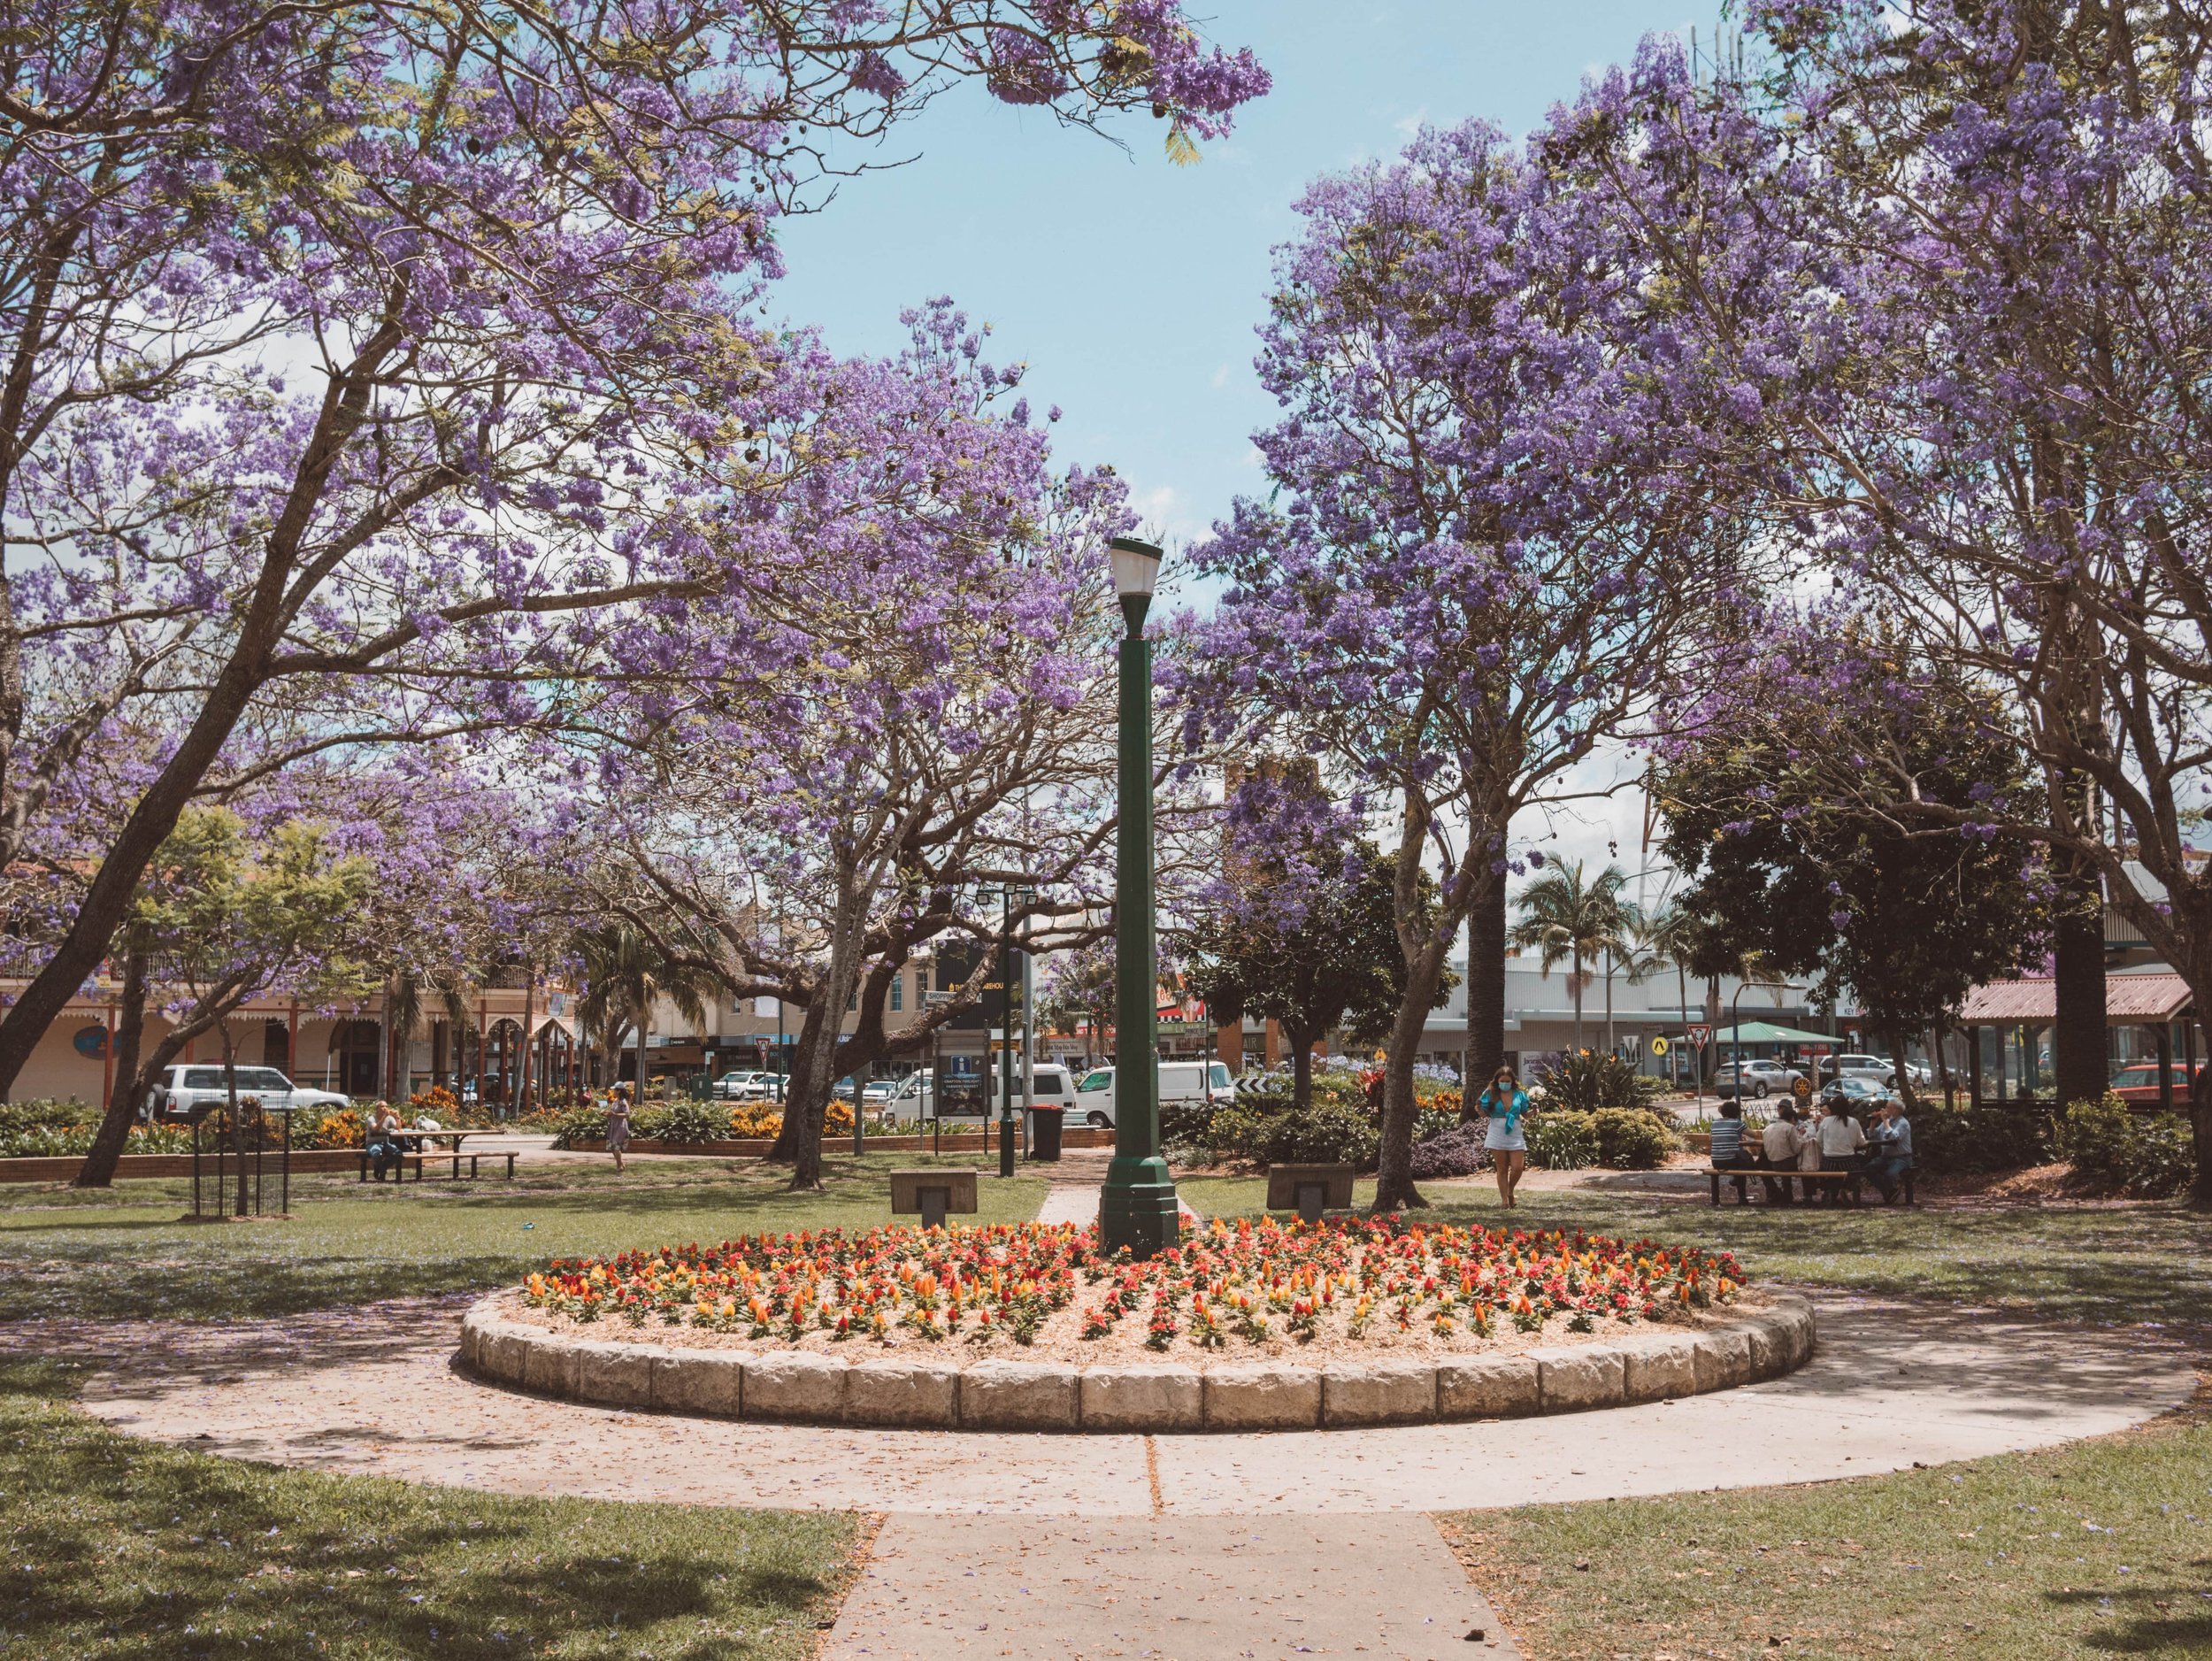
x=1504, y=1103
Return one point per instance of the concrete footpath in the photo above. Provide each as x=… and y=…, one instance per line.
x=1191, y=1547
x=948, y=1588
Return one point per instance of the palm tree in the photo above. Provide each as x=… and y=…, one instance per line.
x=1566, y=918
x=1671, y=936
x=627, y=971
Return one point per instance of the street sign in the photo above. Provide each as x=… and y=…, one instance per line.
x=1700, y=1036
x=1658, y=1046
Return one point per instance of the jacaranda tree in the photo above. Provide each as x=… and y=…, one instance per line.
x=350, y=356
x=1482, y=544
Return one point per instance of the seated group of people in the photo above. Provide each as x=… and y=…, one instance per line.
x=1830, y=1139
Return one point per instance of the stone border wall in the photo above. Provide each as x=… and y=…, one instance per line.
x=924, y=1392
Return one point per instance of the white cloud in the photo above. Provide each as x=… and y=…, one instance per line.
x=1411, y=125
x=1221, y=377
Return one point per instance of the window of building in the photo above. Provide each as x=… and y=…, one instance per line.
x=898, y=991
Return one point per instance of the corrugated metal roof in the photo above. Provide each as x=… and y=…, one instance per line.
x=2128, y=999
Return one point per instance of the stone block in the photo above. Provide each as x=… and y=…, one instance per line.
x=614, y=1374
x=1263, y=1396
x=700, y=1381
x=1019, y=1395
x=549, y=1364
x=1794, y=1329
x=792, y=1384
x=1143, y=1398
x=1486, y=1386
x=902, y=1392
x=1659, y=1367
x=506, y=1349
x=1574, y=1377
x=1724, y=1358
x=1377, y=1393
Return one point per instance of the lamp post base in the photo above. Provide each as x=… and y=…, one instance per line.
x=1137, y=1208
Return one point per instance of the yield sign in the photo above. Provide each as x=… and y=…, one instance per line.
x=1700, y=1036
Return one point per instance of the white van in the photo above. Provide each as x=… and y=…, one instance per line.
x=1054, y=1086
x=1179, y=1081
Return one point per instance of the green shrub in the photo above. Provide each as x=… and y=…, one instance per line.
x=1560, y=1142
x=1268, y=1131
x=680, y=1122
x=66, y=1142
x=1631, y=1139
x=1965, y=1142
x=1185, y=1124
x=2116, y=1150
x=581, y=1124
x=1584, y=1081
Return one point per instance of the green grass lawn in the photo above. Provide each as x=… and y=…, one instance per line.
x=2101, y=1548
x=125, y=1254
x=2102, y=1264
x=125, y=1548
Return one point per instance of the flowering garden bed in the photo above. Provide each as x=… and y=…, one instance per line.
x=1229, y=1292
x=1249, y=1327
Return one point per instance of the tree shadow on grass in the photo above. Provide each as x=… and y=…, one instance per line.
x=2168, y=1618
x=132, y=1549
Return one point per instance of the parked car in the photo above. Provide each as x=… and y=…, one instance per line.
x=185, y=1092
x=759, y=1086
x=1759, y=1077
x=2137, y=1083
x=1862, y=1095
x=1208, y=1081
x=967, y=1095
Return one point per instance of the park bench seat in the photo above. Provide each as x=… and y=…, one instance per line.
x=416, y=1160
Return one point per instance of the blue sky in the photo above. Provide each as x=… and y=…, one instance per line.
x=1131, y=286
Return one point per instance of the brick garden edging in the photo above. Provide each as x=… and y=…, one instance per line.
x=759, y=1146
x=912, y=1391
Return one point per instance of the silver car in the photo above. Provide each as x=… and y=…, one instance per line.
x=1760, y=1078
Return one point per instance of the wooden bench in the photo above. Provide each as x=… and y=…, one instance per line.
x=455, y=1155
x=1836, y=1182
x=1309, y=1189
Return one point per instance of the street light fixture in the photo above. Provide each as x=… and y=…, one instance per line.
x=1137, y=1208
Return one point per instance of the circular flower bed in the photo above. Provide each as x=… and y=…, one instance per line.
x=1341, y=1287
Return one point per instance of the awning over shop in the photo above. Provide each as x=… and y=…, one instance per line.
x=2130, y=1000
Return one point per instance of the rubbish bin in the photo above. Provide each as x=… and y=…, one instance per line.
x=1044, y=1132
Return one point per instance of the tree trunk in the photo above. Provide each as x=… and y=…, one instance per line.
x=1893, y=1035
x=812, y=1079
x=1485, y=990
x=1612, y=1043
x=789, y=1136
x=1301, y=1074
x=1394, y=1176
x=1576, y=976
x=121, y=1111
x=2079, y=1033
x=2200, y=1128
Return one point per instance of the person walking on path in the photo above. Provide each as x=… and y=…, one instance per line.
x=1503, y=1104
x=617, y=1123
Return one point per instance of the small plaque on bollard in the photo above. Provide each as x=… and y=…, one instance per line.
x=930, y=1194
x=1309, y=1189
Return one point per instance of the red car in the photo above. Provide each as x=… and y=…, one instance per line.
x=2138, y=1083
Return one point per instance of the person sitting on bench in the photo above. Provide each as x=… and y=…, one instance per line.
x=1728, y=1149
x=1841, y=1141
x=1892, y=1155
x=1781, y=1142
x=385, y=1151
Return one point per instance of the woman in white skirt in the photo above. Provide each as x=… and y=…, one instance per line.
x=1503, y=1104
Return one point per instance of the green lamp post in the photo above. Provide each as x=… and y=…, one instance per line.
x=1137, y=1208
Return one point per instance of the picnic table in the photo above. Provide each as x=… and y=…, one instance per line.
x=423, y=1143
